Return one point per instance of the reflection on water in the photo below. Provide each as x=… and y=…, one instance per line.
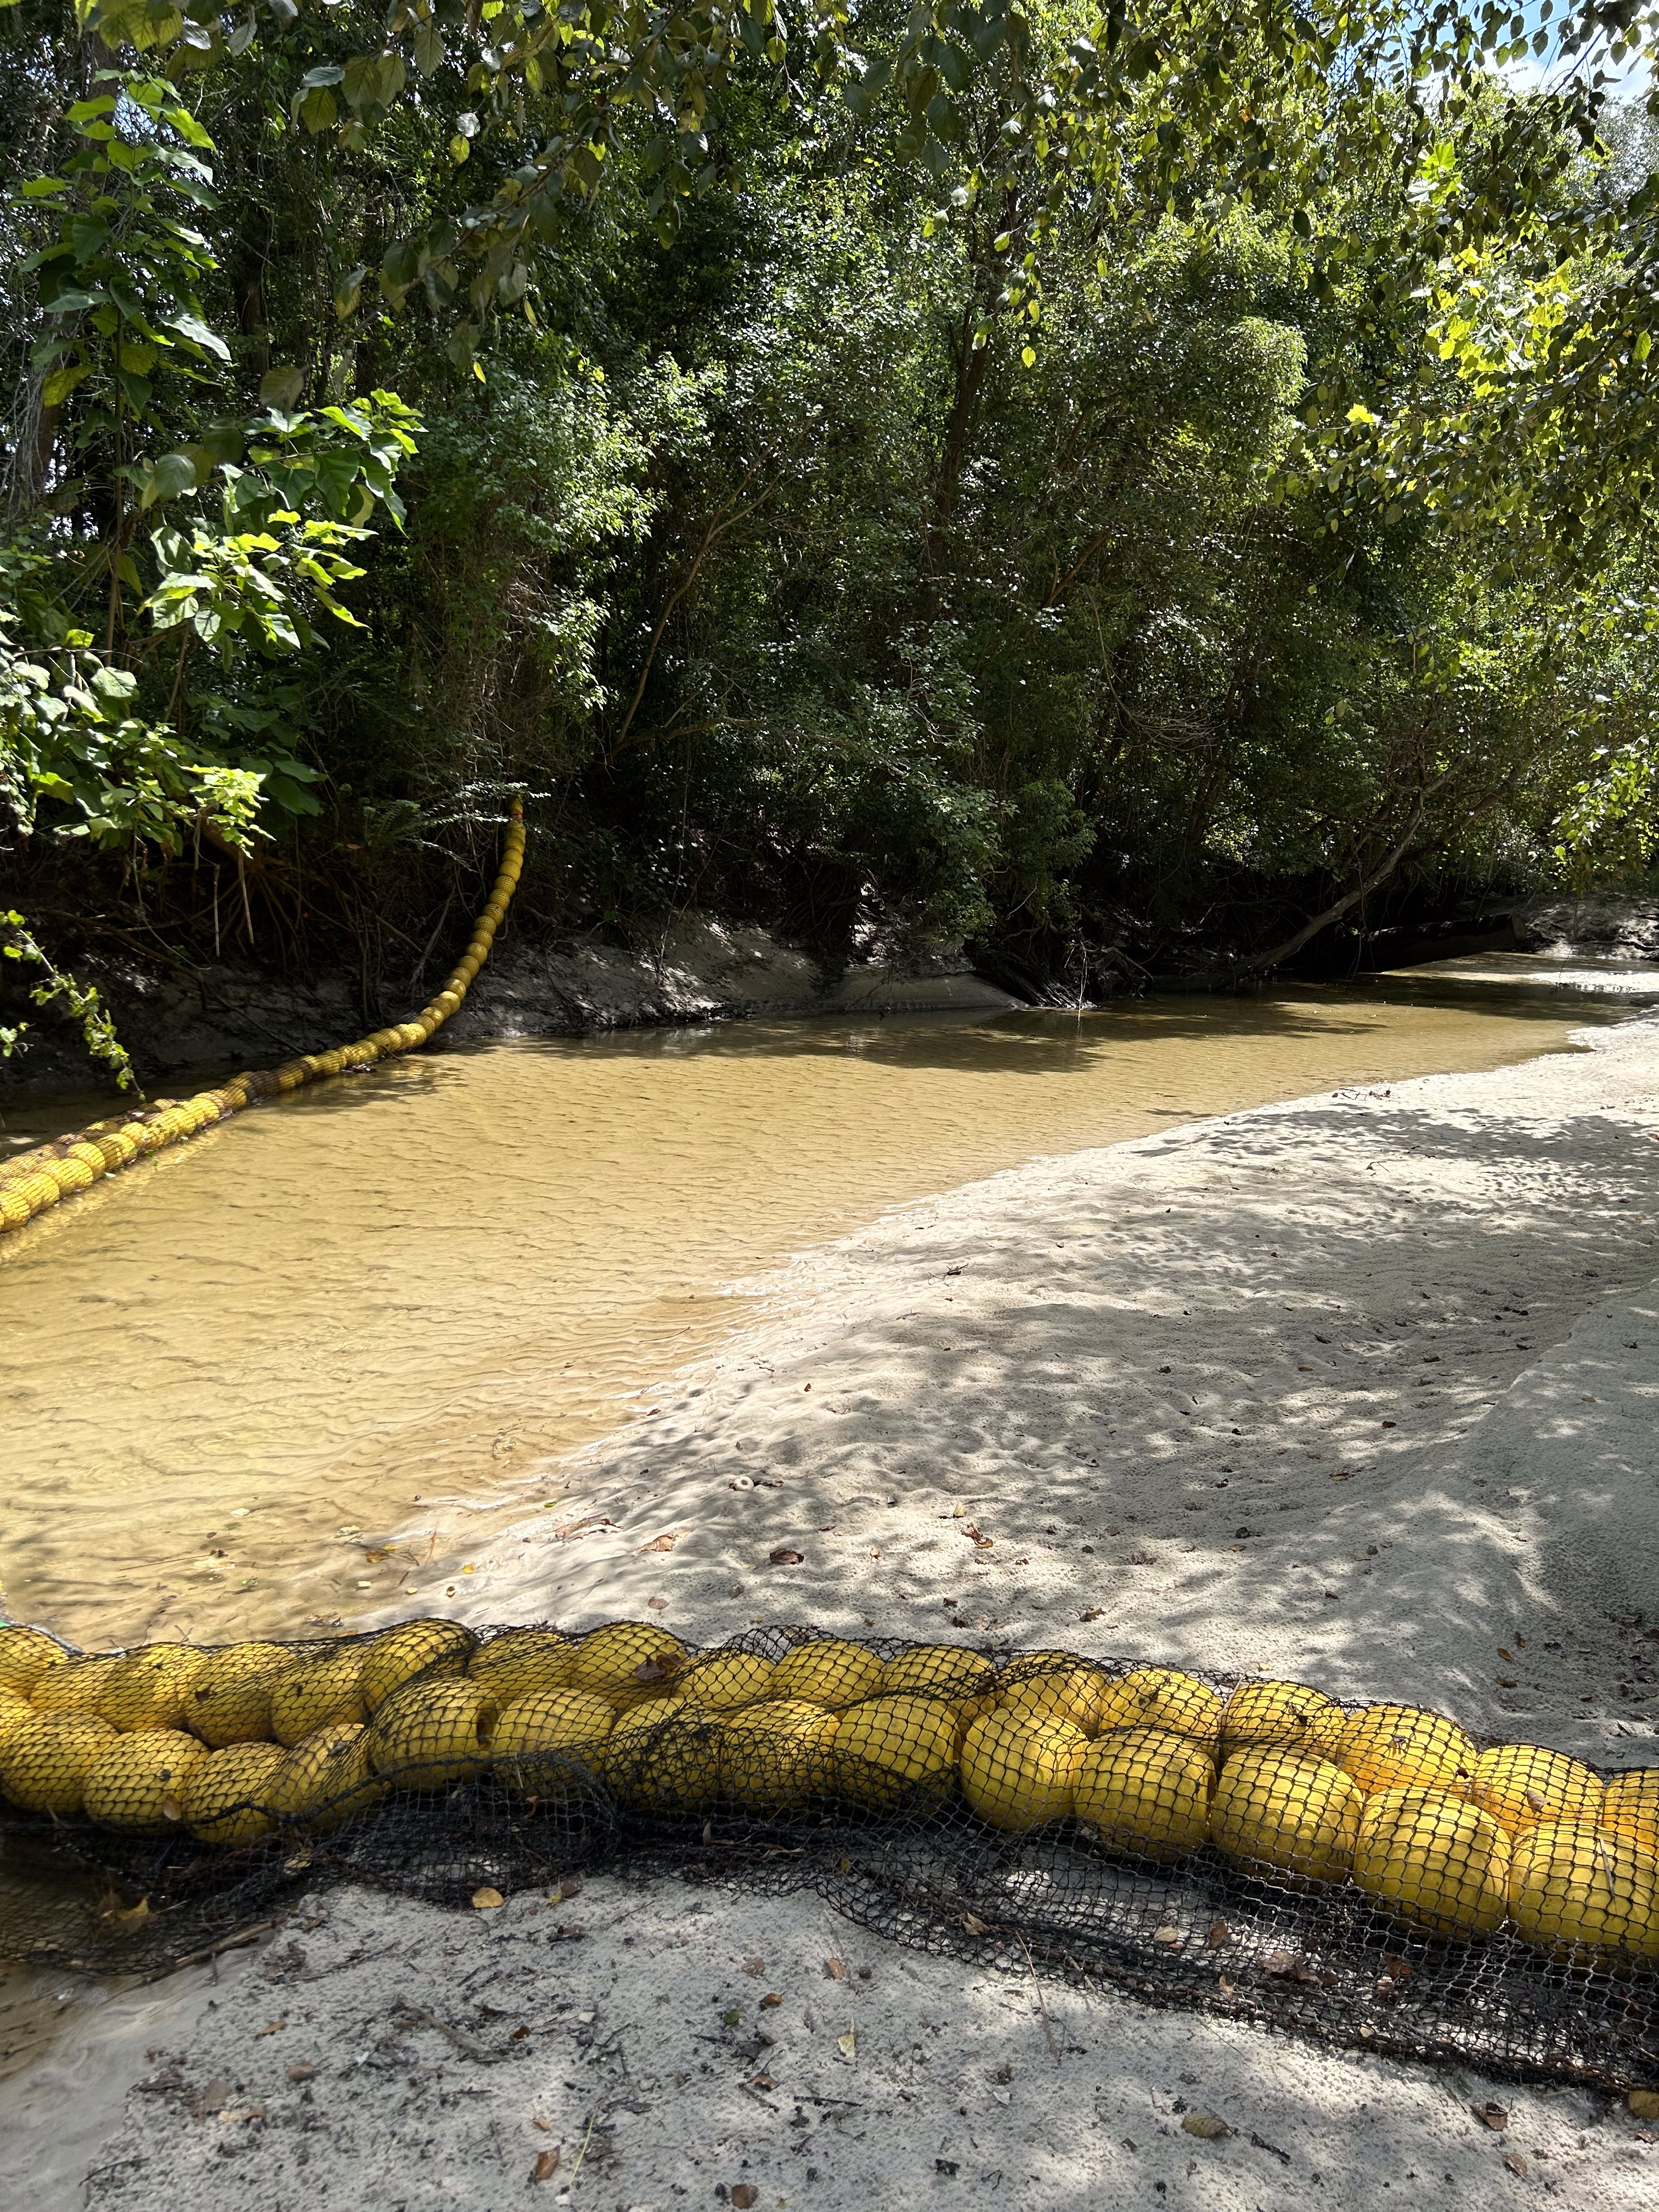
x=232, y=1373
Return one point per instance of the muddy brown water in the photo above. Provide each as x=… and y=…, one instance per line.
x=298, y=1369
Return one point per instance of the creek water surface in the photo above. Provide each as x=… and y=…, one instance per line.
x=294, y=1371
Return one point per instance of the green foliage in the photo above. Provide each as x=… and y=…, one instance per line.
x=56, y=988
x=1033, y=476
x=106, y=739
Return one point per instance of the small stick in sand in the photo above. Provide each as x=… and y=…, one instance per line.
x=1042, y=2002
x=586, y=2139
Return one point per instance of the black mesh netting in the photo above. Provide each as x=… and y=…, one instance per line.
x=1366, y=1875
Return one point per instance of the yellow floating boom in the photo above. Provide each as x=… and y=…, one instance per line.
x=36, y=1180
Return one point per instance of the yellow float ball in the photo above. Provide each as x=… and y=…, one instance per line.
x=1161, y=1697
x=1019, y=1768
x=70, y=1175
x=829, y=1671
x=1588, y=1895
x=45, y=1759
x=1291, y=1714
x=1439, y=1864
x=1145, y=1793
x=521, y=1660
x=773, y=1757
x=1401, y=1746
x=1278, y=1811
x=1053, y=1686
x=139, y=1780
x=25, y=1655
x=326, y=1778
x=437, y=1648
x=1630, y=1806
x=543, y=1742
x=1522, y=1783
x=940, y=1670
x=229, y=1701
x=40, y=1189
x=150, y=1688
x=663, y=1756
x=15, y=1208
x=725, y=1680
x=318, y=1692
x=628, y=1662
x=76, y=1687
x=896, y=1751
x=432, y=1735
x=227, y=1794
x=15, y=1710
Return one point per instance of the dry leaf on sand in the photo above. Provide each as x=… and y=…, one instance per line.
x=1207, y=2126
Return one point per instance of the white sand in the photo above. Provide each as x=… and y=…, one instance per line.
x=1191, y=1381
x=627, y=2039
x=1360, y=1387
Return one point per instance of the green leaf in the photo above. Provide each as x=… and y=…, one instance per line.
x=400, y=267
x=429, y=49
x=189, y=129
x=157, y=24
x=316, y=110
x=59, y=385
x=193, y=328
x=172, y=474
x=280, y=388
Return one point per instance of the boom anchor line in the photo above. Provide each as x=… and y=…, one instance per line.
x=37, y=1180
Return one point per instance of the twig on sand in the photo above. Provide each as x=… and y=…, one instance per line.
x=1042, y=2006
x=210, y=1951
x=586, y=2139
x=468, y=2045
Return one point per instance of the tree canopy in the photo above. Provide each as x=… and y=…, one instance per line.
x=1132, y=486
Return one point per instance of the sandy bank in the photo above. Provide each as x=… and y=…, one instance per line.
x=1360, y=1386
